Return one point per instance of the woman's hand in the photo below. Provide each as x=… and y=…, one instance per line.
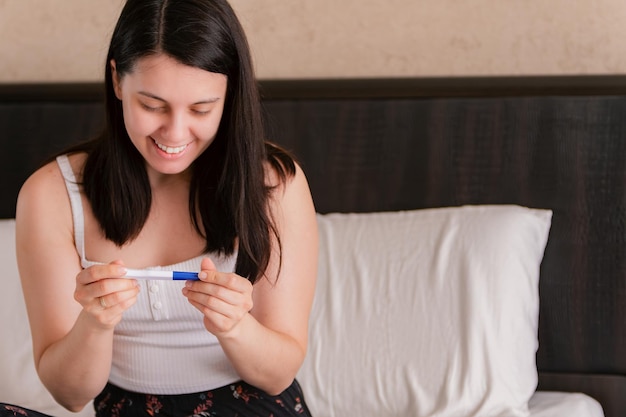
x=223, y=298
x=103, y=294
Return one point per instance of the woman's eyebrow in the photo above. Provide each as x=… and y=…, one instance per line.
x=150, y=95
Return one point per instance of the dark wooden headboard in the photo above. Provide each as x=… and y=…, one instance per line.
x=378, y=145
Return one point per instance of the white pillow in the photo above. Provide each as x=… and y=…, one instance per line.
x=19, y=383
x=426, y=313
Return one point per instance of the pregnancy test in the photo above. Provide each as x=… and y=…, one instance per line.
x=161, y=275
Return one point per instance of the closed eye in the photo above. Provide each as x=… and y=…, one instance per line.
x=150, y=108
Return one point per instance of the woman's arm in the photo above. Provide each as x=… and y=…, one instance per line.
x=72, y=333
x=263, y=328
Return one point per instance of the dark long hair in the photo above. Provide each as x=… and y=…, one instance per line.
x=228, y=198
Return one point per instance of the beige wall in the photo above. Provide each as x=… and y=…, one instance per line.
x=66, y=40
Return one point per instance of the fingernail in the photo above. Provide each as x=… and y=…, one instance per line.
x=188, y=284
x=202, y=275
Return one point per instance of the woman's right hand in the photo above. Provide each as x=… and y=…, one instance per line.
x=104, y=294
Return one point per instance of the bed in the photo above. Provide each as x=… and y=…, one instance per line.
x=393, y=145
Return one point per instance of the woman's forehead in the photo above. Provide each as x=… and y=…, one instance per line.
x=163, y=77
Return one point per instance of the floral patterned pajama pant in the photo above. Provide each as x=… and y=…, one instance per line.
x=235, y=400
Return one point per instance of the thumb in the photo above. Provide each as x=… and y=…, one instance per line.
x=207, y=265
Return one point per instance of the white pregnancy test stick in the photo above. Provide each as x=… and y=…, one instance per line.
x=161, y=275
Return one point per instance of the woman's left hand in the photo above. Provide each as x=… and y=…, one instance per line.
x=223, y=298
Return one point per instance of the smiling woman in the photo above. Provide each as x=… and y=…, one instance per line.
x=181, y=179
x=172, y=111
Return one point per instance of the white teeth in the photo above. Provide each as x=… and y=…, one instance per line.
x=169, y=149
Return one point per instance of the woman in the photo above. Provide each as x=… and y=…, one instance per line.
x=181, y=179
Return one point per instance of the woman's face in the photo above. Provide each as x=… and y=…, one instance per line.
x=171, y=111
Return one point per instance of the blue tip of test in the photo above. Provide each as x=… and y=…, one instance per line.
x=180, y=275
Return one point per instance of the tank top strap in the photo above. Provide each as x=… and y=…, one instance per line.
x=76, y=204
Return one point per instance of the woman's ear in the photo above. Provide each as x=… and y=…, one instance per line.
x=116, y=80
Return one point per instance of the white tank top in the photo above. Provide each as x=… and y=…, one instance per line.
x=160, y=346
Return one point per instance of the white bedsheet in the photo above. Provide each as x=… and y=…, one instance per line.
x=564, y=404
x=16, y=360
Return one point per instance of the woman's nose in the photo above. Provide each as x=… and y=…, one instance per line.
x=175, y=128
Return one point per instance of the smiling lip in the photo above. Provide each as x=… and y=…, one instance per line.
x=169, y=149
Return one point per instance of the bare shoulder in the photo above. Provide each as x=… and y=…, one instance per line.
x=281, y=185
x=42, y=187
x=44, y=195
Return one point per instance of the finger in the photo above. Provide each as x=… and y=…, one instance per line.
x=86, y=294
x=219, y=316
x=215, y=305
x=117, y=299
x=207, y=265
x=110, y=316
x=109, y=287
x=231, y=281
x=203, y=292
x=207, y=269
x=97, y=272
x=228, y=287
x=216, y=322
